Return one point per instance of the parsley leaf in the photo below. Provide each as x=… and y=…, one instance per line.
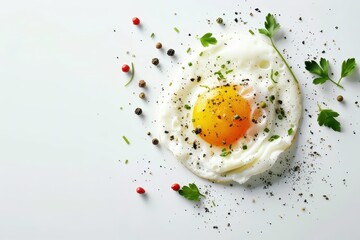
x=208, y=39
x=327, y=117
x=272, y=27
x=347, y=67
x=191, y=192
x=322, y=70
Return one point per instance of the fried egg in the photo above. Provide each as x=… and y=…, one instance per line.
x=232, y=110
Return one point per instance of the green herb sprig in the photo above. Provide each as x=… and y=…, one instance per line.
x=322, y=68
x=208, y=39
x=191, y=192
x=271, y=28
x=327, y=117
x=132, y=74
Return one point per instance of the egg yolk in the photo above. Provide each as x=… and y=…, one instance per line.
x=221, y=115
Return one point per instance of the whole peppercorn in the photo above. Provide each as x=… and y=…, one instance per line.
x=136, y=21
x=138, y=111
x=142, y=95
x=219, y=20
x=142, y=83
x=171, y=52
x=175, y=187
x=158, y=45
x=155, y=141
x=155, y=61
x=140, y=190
x=125, y=68
x=340, y=98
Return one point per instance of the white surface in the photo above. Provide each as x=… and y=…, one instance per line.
x=62, y=170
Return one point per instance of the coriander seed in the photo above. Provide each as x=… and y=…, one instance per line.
x=155, y=61
x=138, y=111
x=340, y=98
x=155, y=141
x=142, y=95
x=158, y=45
x=219, y=20
x=263, y=104
x=171, y=52
x=142, y=83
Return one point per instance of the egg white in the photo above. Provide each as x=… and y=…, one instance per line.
x=251, y=59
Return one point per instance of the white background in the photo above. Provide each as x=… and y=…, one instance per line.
x=62, y=157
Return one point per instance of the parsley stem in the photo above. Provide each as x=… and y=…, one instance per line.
x=132, y=74
x=336, y=83
x=281, y=56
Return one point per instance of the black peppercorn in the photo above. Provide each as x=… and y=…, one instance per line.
x=142, y=83
x=155, y=61
x=138, y=111
x=155, y=141
x=171, y=52
x=340, y=98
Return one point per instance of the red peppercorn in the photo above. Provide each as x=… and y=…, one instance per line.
x=125, y=68
x=175, y=187
x=140, y=190
x=136, y=21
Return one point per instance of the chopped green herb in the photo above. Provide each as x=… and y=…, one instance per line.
x=132, y=74
x=188, y=50
x=272, y=76
x=191, y=192
x=290, y=131
x=228, y=61
x=201, y=53
x=204, y=86
x=190, y=64
x=126, y=161
x=213, y=203
x=187, y=107
x=244, y=147
x=176, y=29
x=225, y=153
x=208, y=39
x=193, y=120
x=126, y=140
x=220, y=75
x=272, y=98
x=236, y=117
x=271, y=27
x=251, y=32
x=327, y=117
x=273, y=137
x=266, y=130
x=152, y=35
x=229, y=71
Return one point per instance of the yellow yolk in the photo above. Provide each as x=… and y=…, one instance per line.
x=221, y=115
